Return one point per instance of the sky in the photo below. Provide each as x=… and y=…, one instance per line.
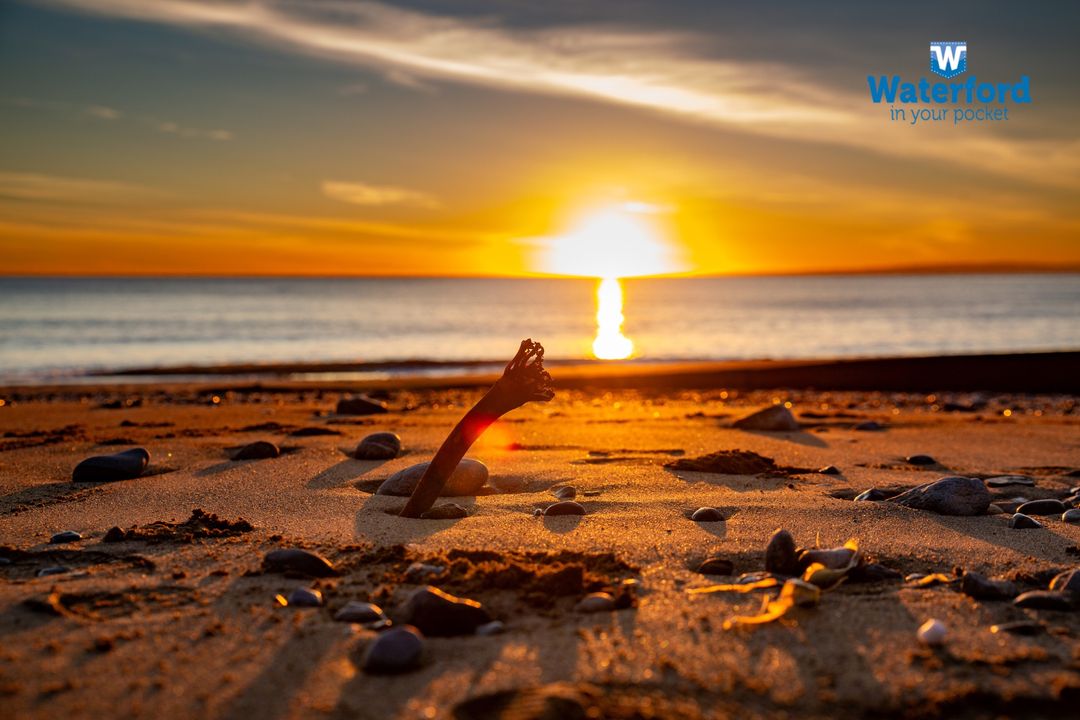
x=302, y=137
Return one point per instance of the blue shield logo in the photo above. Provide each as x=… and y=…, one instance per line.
x=948, y=59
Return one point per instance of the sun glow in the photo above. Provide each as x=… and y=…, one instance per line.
x=617, y=241
x=610, y=343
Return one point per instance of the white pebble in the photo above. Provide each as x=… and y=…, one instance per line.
x=932, y=632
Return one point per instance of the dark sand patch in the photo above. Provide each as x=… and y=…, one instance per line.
x=734, y=462
x=199, y=525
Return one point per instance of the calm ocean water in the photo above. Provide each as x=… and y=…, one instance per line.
x=62, y=326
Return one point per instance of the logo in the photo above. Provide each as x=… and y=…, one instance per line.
x=948, y=59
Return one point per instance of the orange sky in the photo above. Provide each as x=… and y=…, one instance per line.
x=186, y=138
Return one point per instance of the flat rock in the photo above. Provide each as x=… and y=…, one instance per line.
x=780, y=555
x=1048, y=506
x=449, y=511
x=716, y=566
x=707, y=514
x=298, y=560
x=258, y=450
x=1072, y=517
x=920, y=460
x=565, y=492
x=1019, y=521
x=395, y=651
x=356, y=611
x=466, y=479
x=871, y=495
x=361, y=405
x=439, y=614
x=596, y=602
x=566, y=507
x=832, y=558
x=67, y=536
x=126, y=465
x=1047, y=600
x=947, y=496
x=981, y=587
x=305, y=597
x=378, y=446
x=1006, y=480
x=829, y=470
x=776, y=418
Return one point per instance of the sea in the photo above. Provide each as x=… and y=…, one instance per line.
x=56, y=329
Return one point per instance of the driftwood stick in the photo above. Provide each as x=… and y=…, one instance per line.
x=523, y=380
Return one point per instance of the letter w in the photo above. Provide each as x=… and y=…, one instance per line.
x=948, y=57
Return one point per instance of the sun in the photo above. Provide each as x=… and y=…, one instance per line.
x=614, y=241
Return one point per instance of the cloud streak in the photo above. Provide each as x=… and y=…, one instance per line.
x=357, y=193
x=35, y=187
x=656, y=71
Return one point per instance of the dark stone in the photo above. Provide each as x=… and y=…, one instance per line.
x=258, y=450
x=596, y=602
x=566, y=507
x=114, y=534
x=126, y=465
x=948, y=496
x=772, y=419
x=780, y=555
x=54, y=570
x=1047, y=600
x=869, y=426
x=68, y=536
x=1042, y=507
x=305, y=597
x=873, y=572
x=439, y=614
x=378, y=446
x=355, y=611
x=300, y=561
x=397, y=650
x=1019, y=521
x=466, y=479
x=921, y=460
x=981, y=587
x=707, y=514
x=1019, y=627
x=565, y=492
x=716, y=566
x=829, y=470
x=360, y=405
x=1068, y=581
x=871, y=495
x=313, y=432
x=449, y=511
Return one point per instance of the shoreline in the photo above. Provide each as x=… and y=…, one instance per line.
x=1036, y=372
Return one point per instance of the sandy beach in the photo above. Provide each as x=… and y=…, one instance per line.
x=174, y=614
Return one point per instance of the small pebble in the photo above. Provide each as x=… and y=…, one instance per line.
x=596, y=602
x=298, y=560
x=538, y=512
x=566, y=507
x=1042, y=507
x=258, y=450
x=420, y=572
x=54, y=570
x=565, y=492
x=378, y=446
x=920, y=460
x=1072, y=517
x=305, y=597
x=1019, y=521
x=397, y=650
x=125, y=465
x=780, y=557
x=994, y=509
x=871, y=495
x=707, y=514
x=829, y=470
x=981, y=587
x=752, y=577
x=932, y=632
x=716, y=566
x=869, y=426
x=1047, y=600
x=439, y=614
x=592, y=493
x=1006, y=480
x=356, y=611
x=873, y=572
x=361, y=405
x=495, y=627
x=1020, y=627
x=68, y=536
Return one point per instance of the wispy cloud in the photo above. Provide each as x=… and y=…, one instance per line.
x=376, y=195
x=104, y=112
x=31, y=186
x=171, y=128
x=658, y=71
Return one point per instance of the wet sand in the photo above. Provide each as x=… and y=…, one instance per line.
x=178, y=618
